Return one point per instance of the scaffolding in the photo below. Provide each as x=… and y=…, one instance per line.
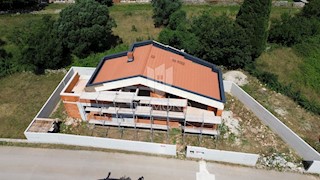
x=142, y=106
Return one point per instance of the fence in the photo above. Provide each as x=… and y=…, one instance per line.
x=223, y=156
x=298, y=144
x=117, y=144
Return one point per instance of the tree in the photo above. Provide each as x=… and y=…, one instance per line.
x=108, y=3
x=311, y=9
x=86, y=27
x=222, y=41
x=40, y=46
x=177, y=18
x=181, y=38
x=291, y=30
x=253, y=17
x=5, y=57
x=215, y=39
x=178, y=33
x=162, y=9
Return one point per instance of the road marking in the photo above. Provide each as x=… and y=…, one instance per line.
x=203, y=173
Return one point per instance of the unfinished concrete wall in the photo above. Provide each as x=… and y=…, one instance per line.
x=117, y=144
x=222, y=156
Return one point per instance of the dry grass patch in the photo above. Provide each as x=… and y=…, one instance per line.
x=134, y=22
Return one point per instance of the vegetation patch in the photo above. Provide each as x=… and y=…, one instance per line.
x=22, y=96
x=301, y=121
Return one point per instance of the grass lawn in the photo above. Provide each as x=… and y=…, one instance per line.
x=293, y=70
x=21, y=97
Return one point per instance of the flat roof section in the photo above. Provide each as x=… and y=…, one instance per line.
x=41, y=125
x=168, y=66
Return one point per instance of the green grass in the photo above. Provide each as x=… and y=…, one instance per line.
x=56, y=6
x=94, y=59
x=9, y=22
x=138, y=15
x=302, y=73
x=59, y=112
x=21, y=97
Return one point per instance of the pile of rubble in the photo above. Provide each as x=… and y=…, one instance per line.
x=281, y=162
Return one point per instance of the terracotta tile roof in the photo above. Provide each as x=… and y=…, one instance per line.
x=165, y=64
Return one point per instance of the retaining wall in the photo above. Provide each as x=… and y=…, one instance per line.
x=315, y=167
x=222, y=156
x=291, y=138
x=117, y=144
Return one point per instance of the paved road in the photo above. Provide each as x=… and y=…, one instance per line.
x=34, y=163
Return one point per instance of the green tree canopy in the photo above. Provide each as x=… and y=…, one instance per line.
x=253, y=17
x=86, y=27
x=222, y=41
x=177, y=18
x=311, y=9
x=162, y=9
x=291, y=30
x=40, y=46
x=215, y=39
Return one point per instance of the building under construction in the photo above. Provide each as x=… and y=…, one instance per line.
x=151, y=86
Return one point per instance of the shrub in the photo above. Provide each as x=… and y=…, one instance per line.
x=311, y=9
x=40, y=46
x=93, y=59
x=133, y=28
x=291, y=30
x=5, y=60
x=177, y=18
x=162, y=9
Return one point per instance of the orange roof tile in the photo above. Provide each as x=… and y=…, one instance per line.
x=158, y=63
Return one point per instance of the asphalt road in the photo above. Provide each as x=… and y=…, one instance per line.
x=34, y=163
